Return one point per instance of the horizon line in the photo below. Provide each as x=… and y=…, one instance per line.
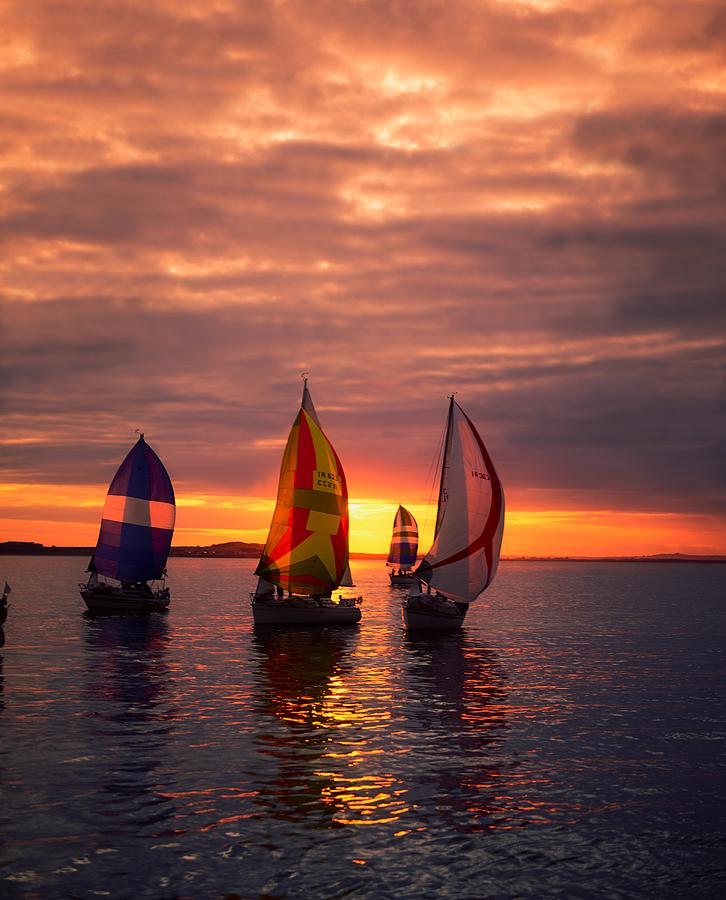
x=36, y=548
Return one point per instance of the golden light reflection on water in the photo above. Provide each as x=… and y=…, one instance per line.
x=317, y=729
x=305, y=687
x=358, y=735
x=360, y=763
x=356, y=763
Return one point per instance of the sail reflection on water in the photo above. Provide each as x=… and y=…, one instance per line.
x=304, y=691
x=127, y=683
x=457, y=711
x=332, y=705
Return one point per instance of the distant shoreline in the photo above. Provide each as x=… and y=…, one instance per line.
x=241, y=550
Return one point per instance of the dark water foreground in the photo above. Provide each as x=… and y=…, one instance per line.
x=569, y=742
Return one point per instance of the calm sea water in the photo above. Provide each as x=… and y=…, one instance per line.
x=569, y=742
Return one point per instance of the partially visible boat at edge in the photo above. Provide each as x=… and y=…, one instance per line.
x=137, y=525
x=464, y=555
x=404, y=547
x=305, y=558
x=4, y=605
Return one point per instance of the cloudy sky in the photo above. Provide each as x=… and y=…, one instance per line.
x=521, y=201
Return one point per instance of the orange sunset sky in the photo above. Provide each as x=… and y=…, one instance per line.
x=520, y=201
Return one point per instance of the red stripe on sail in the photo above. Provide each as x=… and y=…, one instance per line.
x=486, y=538
x=339, y=540
x=304, y=465
x=306, y=461
x=296, y=531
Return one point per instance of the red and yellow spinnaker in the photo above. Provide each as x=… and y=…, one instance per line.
x=307, y=547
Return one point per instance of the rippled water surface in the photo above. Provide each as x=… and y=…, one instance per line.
x=570, y=741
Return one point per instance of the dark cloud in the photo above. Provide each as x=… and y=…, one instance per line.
x=672, y=150
x=614, y=421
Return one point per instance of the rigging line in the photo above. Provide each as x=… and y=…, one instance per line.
x=431, y=479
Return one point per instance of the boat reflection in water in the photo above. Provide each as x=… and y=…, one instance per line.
x=127, y=683
x=456, y=701
x=335, y=708
x=303, y=678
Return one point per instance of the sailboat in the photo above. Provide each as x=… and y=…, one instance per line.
x=404, y=547
x=306, y=554
x=464, y=555
x=4, y=605
x=133, y=544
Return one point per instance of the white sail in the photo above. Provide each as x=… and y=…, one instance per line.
x=470, y=521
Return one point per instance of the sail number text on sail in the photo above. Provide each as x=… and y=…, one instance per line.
x=481, y=475
x=328, y=480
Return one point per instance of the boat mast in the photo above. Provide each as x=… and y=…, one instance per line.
x=307, y=401
x=447, y=442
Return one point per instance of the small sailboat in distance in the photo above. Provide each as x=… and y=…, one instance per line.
x=137, y=525
x=404, y=547
x=468, y=536
x=306, y=554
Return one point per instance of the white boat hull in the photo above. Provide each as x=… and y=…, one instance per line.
x=117, y=600
x=426, y=612
x=305, y=612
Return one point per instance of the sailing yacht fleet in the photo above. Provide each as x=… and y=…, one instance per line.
x=304, y=563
